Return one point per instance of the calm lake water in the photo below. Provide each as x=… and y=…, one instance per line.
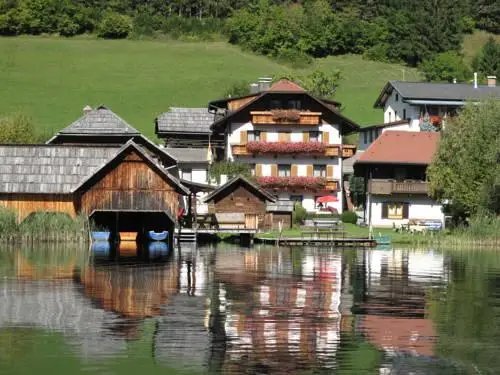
x=265, y=310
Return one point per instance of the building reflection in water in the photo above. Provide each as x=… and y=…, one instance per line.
x=268, y=310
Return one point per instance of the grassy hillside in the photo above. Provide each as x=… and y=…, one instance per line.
x=474, y=42
x=53, y=79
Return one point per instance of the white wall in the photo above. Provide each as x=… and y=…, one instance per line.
x=421, y=207
x=393, y=111
x=199, y=173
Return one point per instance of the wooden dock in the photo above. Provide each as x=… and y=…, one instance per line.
x=319, y=241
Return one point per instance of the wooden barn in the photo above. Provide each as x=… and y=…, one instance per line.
x=239, y=204
x=121, y=188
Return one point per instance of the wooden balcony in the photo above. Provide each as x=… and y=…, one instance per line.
x=300, y=184
x=298, y=118
x=332, y=185
x=328, y=150
x=388, y=187
x=348, y=151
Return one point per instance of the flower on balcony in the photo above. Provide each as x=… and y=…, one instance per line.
x=293, y=182
x=285, y=115
x=285, y=147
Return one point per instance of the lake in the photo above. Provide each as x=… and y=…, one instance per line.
x=265, y=310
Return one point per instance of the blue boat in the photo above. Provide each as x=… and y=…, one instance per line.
x=101, y=248
x=157, y=248
x=100, y=236
x=157, y=236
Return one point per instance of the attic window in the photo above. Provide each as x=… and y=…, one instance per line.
x=397, y=97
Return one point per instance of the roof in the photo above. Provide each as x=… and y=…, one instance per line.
x=385, y=125
x=280, y=206
x=187, y=155
x=99, y=121
x=185, y=120
x=284, y=85
x=59, y=169
x=257, y=189
x=437, y=91
x=401, y=147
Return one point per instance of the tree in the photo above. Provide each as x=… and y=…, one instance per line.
x=466, y=167
x=445, y=67
x=487, y=61
x=318, y=83
x=18, y=129
x=487, y=15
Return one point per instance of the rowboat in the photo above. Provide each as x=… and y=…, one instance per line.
x=157, y=236
x=128, y=236
x=100, y=236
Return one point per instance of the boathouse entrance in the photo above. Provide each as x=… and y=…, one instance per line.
x=139, y=221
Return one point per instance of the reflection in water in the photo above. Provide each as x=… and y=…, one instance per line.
x=265, y=310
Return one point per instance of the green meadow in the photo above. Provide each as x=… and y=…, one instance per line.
x=52, y=79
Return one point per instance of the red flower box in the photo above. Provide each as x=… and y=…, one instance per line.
x=293, y=182
x=285, y=147
x=285, y=115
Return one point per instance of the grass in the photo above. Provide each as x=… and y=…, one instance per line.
x=474, y=42
x=52, y=79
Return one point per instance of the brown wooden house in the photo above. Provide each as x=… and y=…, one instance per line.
x=239, y=204
x=120, y=188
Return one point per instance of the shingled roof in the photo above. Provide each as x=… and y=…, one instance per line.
x=49, y=169
x=60, y=169
x=185, y=120
x=254, y=187
x=461, y=92
x=187, y=155
x=100, y=121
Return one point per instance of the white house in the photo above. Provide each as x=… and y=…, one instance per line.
x=292, y=141
x=394, y=167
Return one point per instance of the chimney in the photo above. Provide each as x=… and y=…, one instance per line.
x=475, y=80
x=492, y=81
x=86, y=110
x=254, y=88
x=264, y=83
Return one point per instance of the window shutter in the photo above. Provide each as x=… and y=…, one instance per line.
x=385, y=210
x=326, y=138
x=329, y=171
x=406, y=209
x=274, y=170
x=294, y=170
x=309, y=171
x=305, y=136
x=243, y=137
x=263, y=136
x=258, y=170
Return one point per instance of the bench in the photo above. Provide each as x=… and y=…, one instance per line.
x=230, y=220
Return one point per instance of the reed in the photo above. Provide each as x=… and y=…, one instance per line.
x=43, y=227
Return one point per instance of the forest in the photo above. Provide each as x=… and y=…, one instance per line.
x=412, y=32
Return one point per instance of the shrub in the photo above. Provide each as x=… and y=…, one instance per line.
x=299, y=214
x=18, y=129
x=237, y=89
x=230, y=169
x=378, y=52
x=349, y=217
x=114, y=26
x=8, y=225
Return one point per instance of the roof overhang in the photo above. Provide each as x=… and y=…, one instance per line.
x=454, y=103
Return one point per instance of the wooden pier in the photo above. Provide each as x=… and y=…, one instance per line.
x=319, y=241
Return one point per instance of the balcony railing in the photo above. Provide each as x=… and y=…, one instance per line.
x=387, y=187
x=299, y=183
x=348, y=151
x=306, y=148
x=285, y=117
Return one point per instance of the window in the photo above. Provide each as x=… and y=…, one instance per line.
x=315, y=136
x=397, y=97
x=395, y=210
x=390, y=116
x=296, y=198
x=377, y=132
x=319, y=170
x=404, y=114
x=252, y=169
x=186, y=174
x=365, y=136
x=276, y=104
x=395, y=115
x=294, y=104
x=254, y=136
x=284, y=170
x=371, y=135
